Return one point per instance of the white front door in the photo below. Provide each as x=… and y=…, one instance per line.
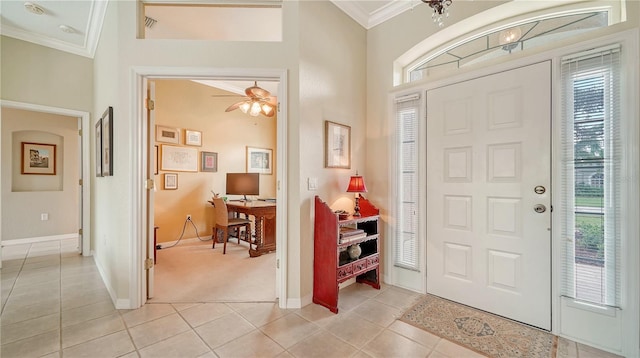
x=488, y=149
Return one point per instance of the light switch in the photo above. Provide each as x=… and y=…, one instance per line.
x=44, y=216
x=312, y=184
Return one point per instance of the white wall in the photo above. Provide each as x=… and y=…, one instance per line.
x=26, y=197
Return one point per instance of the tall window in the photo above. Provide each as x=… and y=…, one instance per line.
x=406, y=240
x=592, y=145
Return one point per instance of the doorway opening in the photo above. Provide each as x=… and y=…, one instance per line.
x=142, y=279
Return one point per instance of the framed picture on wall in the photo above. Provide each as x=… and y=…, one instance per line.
x=192, y=137
x=337, y=143
x=107, y=142
x=208, y=162
x=170, y=181
x=259, y=160
x=167, y=134
x=38, y=158
x=184, y=159
x=99, y=147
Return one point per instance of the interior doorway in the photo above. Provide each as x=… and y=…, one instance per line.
x=187, y=267
x=143, y=250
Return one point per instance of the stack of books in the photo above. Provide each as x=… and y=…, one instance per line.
x=348, y=234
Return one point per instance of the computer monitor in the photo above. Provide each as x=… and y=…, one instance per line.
x=243, y=184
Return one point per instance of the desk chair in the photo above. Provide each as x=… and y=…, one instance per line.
x=224, y=223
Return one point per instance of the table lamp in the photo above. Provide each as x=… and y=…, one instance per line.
x=356, y=185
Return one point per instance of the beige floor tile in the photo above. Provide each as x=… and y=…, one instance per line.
x=86, y=313
x=436, y=354
x=157, y=330
x=201, y=314
x=24, y=313
x=285, y=354
x=289, y=330
x=259, y=313
x=35, y=346
x=253, y=344
x=567, y=348
x=224, y=329
x=112, y=345
x=33, y=327
x=397, y=297
x=208, y=355
x=361, y=354
x=378, y=313
x=53, y=355
x=183, y=306
x=451, y=349
x=85, y=331
x=585, y=351
x=354, y=329
x=349, y=300
x=133, y=354
x=391, y=344
x=183, y=345
x=362, y=290
x=146, y=313
x=317, y=314
x=322, y=344
x=416, y=334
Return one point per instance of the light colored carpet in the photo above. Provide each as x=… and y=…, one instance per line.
x=193, y=272
x=480, y=331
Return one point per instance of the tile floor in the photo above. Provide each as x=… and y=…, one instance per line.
x=54, y=304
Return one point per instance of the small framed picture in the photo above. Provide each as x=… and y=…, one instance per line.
x=259, y=160
x=99, y=147
x=38, y=158
x=167, y=134
x=208, y=162
x=337, y=139
x=192, y=137
x=170, y=181
x=107, y=142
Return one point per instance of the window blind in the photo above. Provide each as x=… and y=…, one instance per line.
x=406, y=240
x=591, y=171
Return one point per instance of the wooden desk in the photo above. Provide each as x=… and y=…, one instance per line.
x=265, y=223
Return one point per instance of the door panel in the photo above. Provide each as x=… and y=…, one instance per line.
x=488, y=146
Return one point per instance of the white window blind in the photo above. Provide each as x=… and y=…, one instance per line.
x=406, y=240
x=591, y=189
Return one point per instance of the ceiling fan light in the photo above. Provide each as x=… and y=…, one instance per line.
x=255, y=109
x=245, y=107
x=266, y=108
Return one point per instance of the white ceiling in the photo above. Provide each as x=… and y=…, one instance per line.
x=85, y=18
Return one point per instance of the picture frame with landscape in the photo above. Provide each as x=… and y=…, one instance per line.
x=38, y=158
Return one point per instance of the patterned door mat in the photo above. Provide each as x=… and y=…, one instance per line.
x=480, y=331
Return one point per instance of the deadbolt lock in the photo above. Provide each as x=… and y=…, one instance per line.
x=539, y=189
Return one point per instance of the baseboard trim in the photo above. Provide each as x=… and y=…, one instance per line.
x=33, y=240
x=120, y=304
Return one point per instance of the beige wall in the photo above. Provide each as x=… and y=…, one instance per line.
x=40, y=75
x=332, y=88
x=186, y=104
x=26, y=197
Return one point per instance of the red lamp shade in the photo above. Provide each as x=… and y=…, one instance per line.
x=356, y=184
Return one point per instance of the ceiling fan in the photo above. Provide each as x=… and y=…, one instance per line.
x=258, y=101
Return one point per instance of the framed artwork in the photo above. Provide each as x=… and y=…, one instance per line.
x=170, y=181
x=155, y=164
x=38, y=158
x=337, y=140
x=107, y=142
x=208, y=162
x=167, y=134
x=259, y=160
x=182, y=159
x=192, y=137
x=99, y=147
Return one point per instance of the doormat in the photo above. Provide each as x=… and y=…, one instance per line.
x=482, y=332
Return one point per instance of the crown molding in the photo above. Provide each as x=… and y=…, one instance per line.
x=369, y=20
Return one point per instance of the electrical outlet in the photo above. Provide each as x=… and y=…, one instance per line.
x=189, y=217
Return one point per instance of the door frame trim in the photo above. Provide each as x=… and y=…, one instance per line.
x=85, y=161
x=139, y=232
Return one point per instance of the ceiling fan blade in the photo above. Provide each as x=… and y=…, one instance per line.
x=234, y=106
